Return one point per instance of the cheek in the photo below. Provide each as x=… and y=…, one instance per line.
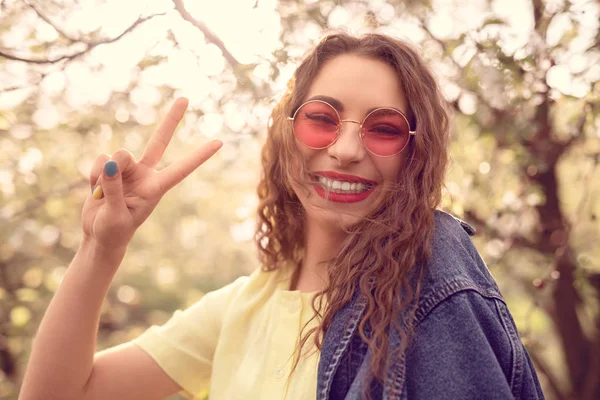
x=390, y=168
x=305, y=153
x=308, y=156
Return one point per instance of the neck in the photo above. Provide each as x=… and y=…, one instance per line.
x=321, y=243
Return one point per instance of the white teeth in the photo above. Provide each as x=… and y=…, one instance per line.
x=342, y=186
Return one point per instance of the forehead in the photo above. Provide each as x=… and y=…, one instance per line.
x=359, y=83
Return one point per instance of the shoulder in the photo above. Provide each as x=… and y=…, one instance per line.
x=258, y=284
x=216, y=307
x=249, y=295
x=463, y=328
x=468, y=347
x=455, y=265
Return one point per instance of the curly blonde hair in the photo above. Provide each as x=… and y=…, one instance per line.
x=381, y=249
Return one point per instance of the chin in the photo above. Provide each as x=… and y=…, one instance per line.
x=334, y=215
x=334, y=220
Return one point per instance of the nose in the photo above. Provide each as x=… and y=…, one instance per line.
x=348, y=147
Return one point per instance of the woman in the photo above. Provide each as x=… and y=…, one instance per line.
x=365, y=290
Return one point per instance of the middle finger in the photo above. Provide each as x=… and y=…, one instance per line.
x=161, y=138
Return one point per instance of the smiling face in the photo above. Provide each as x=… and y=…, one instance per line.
x=359, y=180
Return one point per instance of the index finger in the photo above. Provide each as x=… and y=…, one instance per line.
x=176, y=172
x=161, y=138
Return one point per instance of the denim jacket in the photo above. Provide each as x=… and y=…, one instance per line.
x=465, y=346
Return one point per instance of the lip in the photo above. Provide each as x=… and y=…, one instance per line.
x=343, y=197
x=344, y=177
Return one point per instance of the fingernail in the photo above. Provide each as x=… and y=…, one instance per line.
x=110, y=168
x=97, y=192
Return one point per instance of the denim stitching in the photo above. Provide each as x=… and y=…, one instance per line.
x=335, y=360
x=516, y=373
x=453, y=287
x=398, y=380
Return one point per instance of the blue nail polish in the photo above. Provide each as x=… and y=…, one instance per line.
x=110, y=168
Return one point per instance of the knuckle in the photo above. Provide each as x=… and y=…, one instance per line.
x=101, y=157
x=119, y=152
x=122, y=154
x=100, y=160
x=96, y=170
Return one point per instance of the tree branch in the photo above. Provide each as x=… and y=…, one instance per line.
x=538, y=9
x=15, y=87
x=242, y=72
x=210, y=36
x=90, y=46
x=515, y=240
x=52, y=24
x=497, y=112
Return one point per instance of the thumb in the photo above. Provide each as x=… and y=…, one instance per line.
x=112, y=185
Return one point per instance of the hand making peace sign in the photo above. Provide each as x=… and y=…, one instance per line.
x=131, y=189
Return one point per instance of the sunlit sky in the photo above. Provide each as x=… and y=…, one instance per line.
x=251, y=30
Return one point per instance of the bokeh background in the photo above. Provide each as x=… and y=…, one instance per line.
x=81, y=77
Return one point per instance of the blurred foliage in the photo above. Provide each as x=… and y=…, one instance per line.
x=78, y=78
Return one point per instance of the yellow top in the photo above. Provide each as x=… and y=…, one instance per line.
x=241, y=340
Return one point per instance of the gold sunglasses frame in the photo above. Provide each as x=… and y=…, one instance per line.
x=361, y=133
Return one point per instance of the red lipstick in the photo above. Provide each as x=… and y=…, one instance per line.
x=344, y=197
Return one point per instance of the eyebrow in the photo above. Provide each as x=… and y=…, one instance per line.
x=338, y=105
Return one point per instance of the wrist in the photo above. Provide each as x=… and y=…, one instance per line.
x=97, y=251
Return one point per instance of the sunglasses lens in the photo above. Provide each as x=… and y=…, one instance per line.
x=316, y=124
x=386, y=132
